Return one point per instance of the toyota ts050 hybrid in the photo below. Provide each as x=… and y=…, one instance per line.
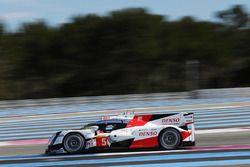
x=168, y=131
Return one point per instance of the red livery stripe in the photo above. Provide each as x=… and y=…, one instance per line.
x=138, y=120
x=185, y=134
x=148, y=142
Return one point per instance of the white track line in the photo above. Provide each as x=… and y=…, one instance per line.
x=4, y=144
x=227, y=130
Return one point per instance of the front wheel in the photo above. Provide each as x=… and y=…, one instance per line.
x=170, y=139
x=74, y=143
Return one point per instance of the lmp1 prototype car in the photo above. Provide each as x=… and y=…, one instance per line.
x=168, y=131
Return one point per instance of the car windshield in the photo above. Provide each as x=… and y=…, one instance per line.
x=103, y=123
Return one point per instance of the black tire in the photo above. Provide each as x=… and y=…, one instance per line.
x=169, y=139
x=74, y=143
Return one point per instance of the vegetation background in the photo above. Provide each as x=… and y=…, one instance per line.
x=127, y=51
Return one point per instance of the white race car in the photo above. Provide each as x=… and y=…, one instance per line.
x=168, y=131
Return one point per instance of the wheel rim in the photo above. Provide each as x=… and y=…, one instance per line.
x=73, y=143
x=170, y=139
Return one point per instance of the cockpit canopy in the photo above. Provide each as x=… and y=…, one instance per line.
x=108, y=125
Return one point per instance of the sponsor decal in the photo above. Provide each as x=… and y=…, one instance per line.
x=152, y=133
x=170, y=121
x=143, y=129
x=140, y=118
x=90, y=143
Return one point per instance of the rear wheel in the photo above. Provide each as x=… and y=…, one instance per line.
x=74, y=143
x=170, y=139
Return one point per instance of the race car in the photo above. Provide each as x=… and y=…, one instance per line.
x=168, y=131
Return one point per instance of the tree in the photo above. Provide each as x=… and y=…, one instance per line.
x=127, y=51
x=235, y=17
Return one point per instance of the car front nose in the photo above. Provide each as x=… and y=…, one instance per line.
x=53, y=138
x=52, y=147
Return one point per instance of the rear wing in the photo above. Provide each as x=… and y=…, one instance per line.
x=188, y=118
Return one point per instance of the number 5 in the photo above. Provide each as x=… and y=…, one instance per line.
x=104, y=141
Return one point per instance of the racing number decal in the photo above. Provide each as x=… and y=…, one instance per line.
x=101, y=141
x=104, y=141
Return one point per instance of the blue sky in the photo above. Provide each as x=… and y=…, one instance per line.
x=15, y=12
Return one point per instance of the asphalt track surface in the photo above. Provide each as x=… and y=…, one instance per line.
x=222, y=138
